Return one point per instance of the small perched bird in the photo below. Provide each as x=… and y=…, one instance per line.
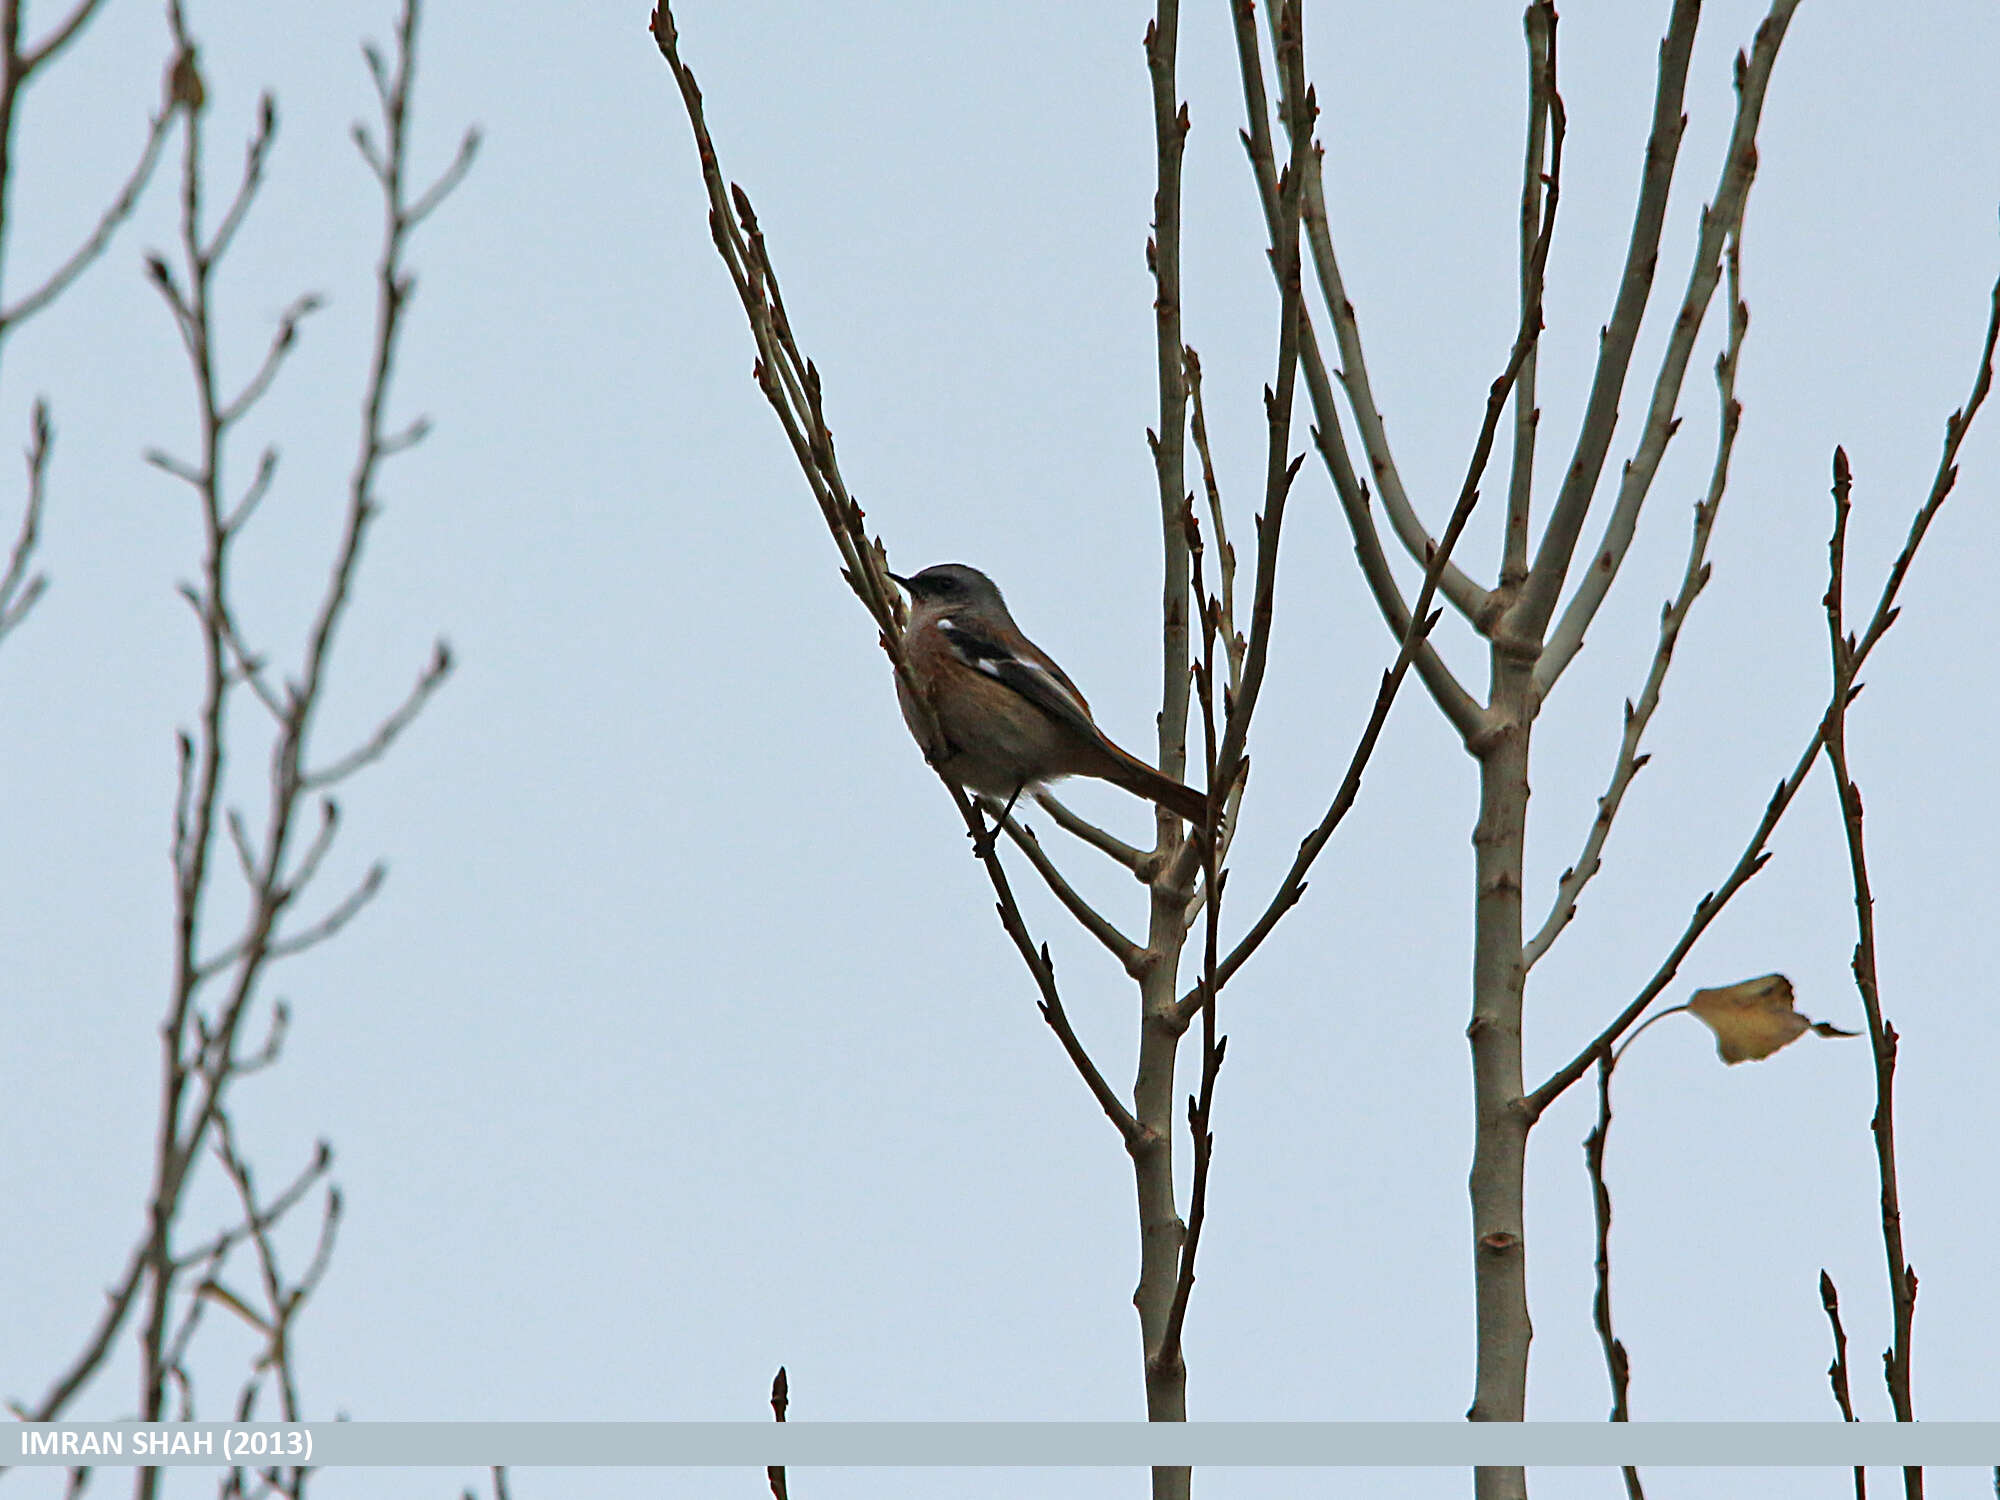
x=1009, y=716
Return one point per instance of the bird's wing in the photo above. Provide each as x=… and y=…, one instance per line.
x=1042, y=683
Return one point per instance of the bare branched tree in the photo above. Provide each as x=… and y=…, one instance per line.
x=1531, y=618
x=221, y=1027
x=1530, y=644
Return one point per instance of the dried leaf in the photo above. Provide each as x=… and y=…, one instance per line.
x=215, y=1291
x=1754, y=1018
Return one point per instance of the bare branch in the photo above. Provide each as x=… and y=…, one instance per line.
x=788, y=380
x=244, y=666
x=392, y=297
x=255, y=153
x=364, y=142
x=281, y=1301
x=447, y=181
x=120, y=209
x=774, y=1474
x=1694, y=578
x=1461, y=710
x=1200, y=1107
x=377, y=744
x=118, y=1300
x=1539, y=22
x=166, y=463
x=1465, y=593
x=308, y=866
x=1299, y=109
x=1956, y=426
x=1836, y=1373
x=50, y=46
x=246, y=858
x=1119, y=946
x=19, y=589
x=344, y=911
x=1169, y=442
x=254, y=492
x=1881, y=1034
x=1615, y=1362
x=281, y=343
x=791, y=384
x=273, y=1046
x=265, y=1218
x=411, y=435
x=1225, y=555
x=1043, y=968
x=1131, y=858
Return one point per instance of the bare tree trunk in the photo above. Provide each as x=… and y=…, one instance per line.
x=1500, y=1140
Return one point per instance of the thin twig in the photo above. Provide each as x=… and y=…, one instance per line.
x=377, y=744
x=447, y=182
x=1299, y=109
x=781, y=1397
x=281, y=344
x=1169, y=443
x=256, y=152
x=1881, y=1034
x=1107, y=843
x=1094, y=922
x=254, y=492
x=1233, y=644
x=1836, y=1373
x=344, y=911
x=791, y=384
x=19, y=589
x=79, y=260
x=1616, y=1365
x=1201, y=1105
x=1694, y=578
x=1539, y=22
x=50, y=46
x=1465, y=594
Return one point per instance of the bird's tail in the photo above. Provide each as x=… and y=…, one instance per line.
x=1133, y=774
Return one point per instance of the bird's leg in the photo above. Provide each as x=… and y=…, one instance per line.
x=983, y=846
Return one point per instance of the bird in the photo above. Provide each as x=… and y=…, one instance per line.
x=1009, y=718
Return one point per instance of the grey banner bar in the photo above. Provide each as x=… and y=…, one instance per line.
x=1005, y=1444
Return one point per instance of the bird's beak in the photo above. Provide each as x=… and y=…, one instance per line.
x=899, y=578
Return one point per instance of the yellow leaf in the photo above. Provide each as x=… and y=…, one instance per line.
x=1753, y=1019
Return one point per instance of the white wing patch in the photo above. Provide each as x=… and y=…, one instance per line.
x=1030, y=679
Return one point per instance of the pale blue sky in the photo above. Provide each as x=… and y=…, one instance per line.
x=683, y=1042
